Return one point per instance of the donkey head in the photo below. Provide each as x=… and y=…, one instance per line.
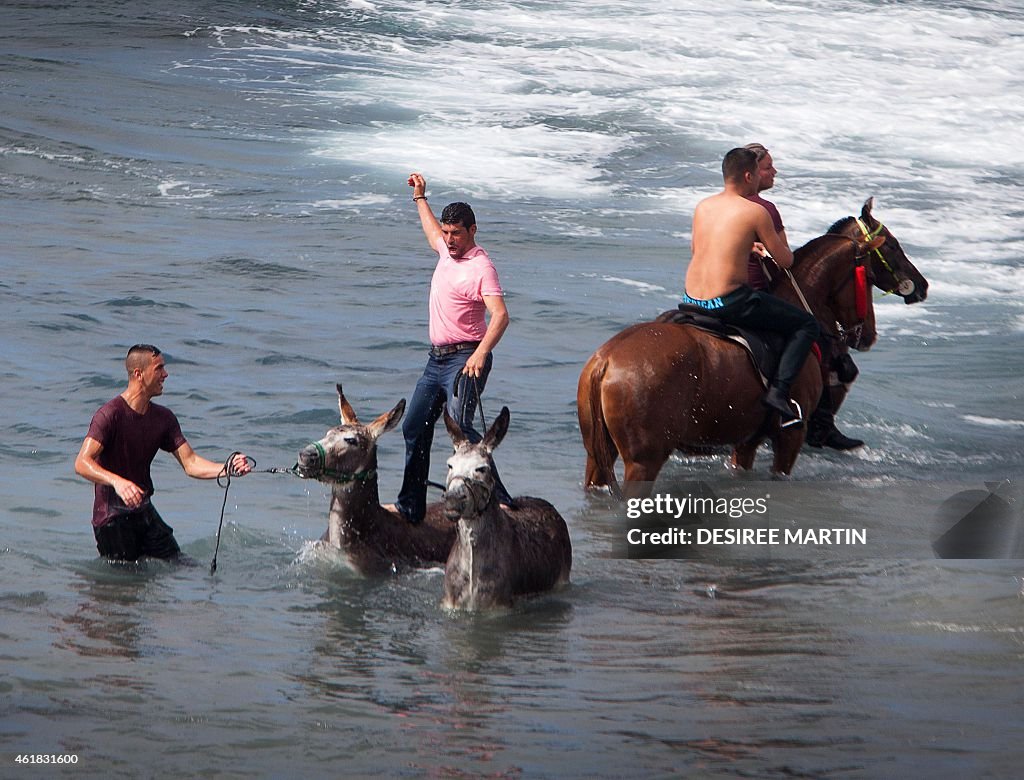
x=348, y=452
x=470, y=484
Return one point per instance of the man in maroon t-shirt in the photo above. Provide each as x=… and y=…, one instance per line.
x=119, y=448
x=821, y=426
x=758, y=279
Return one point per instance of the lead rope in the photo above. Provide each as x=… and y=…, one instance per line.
x=483, y=424
x=226, y=474
x=480, y=406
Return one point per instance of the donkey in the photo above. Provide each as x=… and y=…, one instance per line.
x=375, y=541
x=499, y=553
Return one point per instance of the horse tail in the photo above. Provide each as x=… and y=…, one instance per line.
x=601, y=449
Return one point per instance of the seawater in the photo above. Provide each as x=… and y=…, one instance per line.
x=228, y=181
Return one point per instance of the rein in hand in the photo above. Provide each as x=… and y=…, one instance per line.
x=224, y=481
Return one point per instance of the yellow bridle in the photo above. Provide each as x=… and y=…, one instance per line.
x=870, y=234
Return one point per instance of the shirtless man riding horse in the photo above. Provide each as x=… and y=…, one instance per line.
x=725, y=227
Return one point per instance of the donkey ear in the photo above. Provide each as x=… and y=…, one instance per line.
x=868, y=205
x=348, y=416
x=497, y=430
x=386, y=421
x=458, y=437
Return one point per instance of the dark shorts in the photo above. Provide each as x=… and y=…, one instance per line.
x=135, y=535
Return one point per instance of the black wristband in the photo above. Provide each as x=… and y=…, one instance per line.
x=419, y=197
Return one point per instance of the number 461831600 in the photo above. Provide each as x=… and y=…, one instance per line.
x=46, y=758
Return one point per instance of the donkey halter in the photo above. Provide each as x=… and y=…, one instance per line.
x=479, y=491
x=900, y=279
x=340, y=477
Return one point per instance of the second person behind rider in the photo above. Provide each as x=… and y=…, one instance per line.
x=725, y=227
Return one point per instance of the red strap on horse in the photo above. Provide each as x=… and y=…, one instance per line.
x=861, y=277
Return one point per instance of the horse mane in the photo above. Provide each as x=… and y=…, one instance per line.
x=839, y=225
x=816, y=243
x=810, y=257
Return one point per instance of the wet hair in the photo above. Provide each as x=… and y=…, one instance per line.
x=757, y=149
x=139, y=356
x=738, y=162
x=458, y=213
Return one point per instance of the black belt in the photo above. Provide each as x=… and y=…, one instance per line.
x=451, y=349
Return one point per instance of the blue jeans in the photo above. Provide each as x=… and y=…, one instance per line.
x=434, y=390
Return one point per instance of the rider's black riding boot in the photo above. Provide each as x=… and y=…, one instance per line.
x=821, y=428
x=779, y=400
x=820, y=425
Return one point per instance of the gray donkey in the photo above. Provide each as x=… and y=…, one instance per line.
x=375, y=541
x=500, y=553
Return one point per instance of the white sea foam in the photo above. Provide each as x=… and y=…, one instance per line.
x=993, y=421
x=503, y=160
x=363, y=201
x=182, y=190
x=549, y=104
x=643, y=287
x=41, y=154
x=632, y=104
x=959, y=628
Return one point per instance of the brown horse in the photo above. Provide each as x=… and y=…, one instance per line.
x=659, y=386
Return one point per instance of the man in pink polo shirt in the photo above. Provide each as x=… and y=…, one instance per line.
x=463, y=292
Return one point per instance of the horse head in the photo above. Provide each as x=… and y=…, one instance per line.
x=469, y=488
x=831, y=279
x=348, y=452
x=893, y=271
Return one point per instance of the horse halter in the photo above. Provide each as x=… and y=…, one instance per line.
x=904, y=285
x=860, y=291
x=334, y=475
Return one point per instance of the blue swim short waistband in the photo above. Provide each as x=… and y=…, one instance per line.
x=715, y=303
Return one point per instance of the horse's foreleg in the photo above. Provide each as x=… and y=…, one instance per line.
x=743, y=455
x=786, y=445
